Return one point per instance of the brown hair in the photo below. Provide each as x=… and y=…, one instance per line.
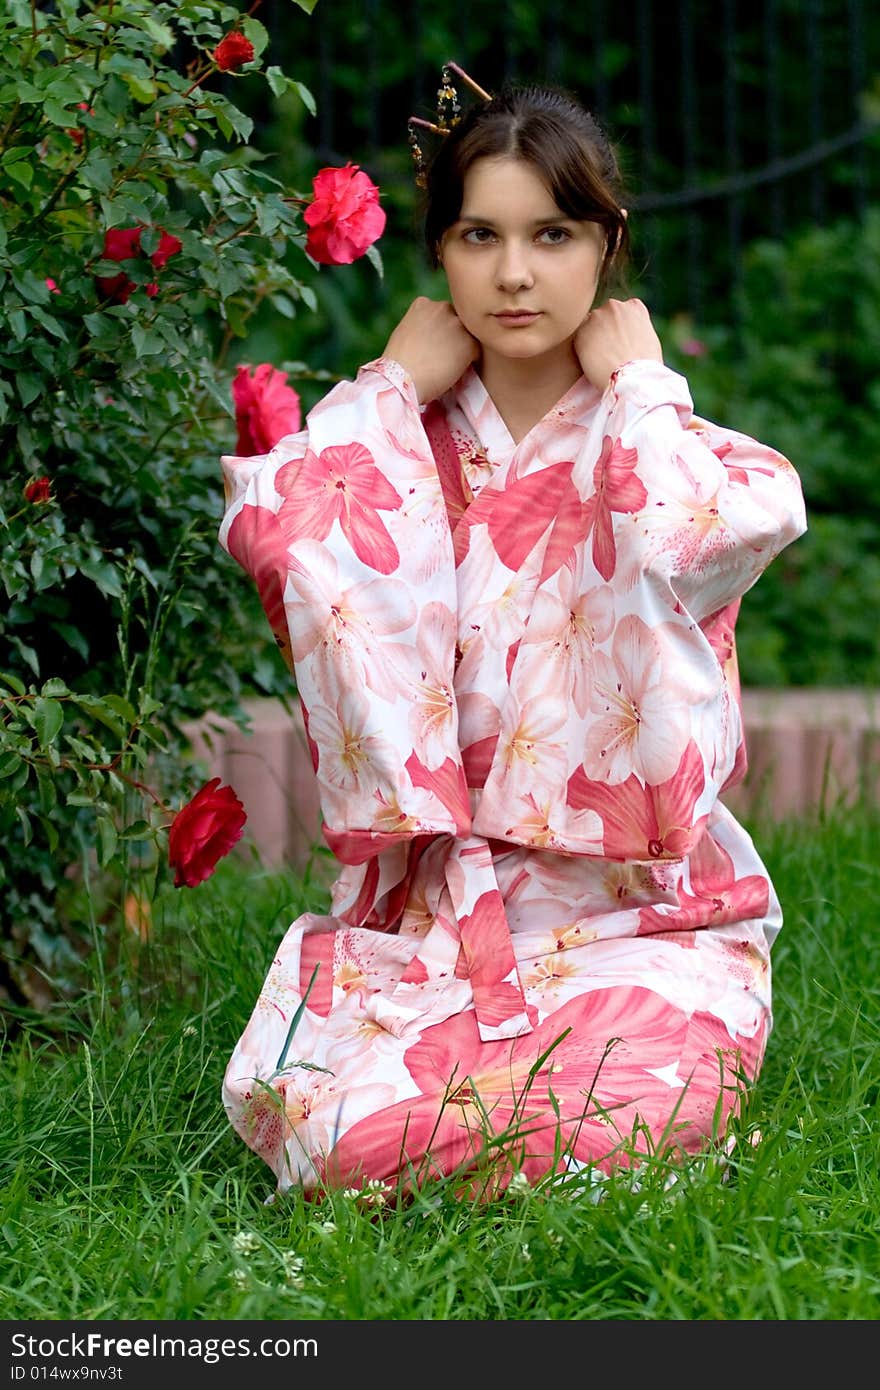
x=565, y=143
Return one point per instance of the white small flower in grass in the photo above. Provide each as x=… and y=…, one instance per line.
x=519, y=1185
x=376, y=1193
x=554, y=1239
x=525, y=1253
x=240, y=1278
x=245, y=1243
x=328, y=1227
x=190, y=1031
x=293, y=1267
x=351, y=1192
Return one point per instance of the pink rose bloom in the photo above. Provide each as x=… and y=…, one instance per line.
x=344, y=218
x=266, y=408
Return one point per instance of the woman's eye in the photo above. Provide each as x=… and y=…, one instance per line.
x=478, y=234
x=556, y=235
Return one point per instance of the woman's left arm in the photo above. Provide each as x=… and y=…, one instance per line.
x=719, y=506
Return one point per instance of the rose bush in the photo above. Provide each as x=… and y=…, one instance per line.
x=266, y=408
x=344, y=217
x=203, y=831
x=139, y=235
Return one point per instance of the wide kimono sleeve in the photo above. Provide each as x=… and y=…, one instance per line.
x=718, y=506
x=344, y=530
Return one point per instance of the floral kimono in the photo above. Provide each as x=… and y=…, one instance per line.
x=548, y=945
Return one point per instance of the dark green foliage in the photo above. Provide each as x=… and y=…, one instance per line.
x=117, y=593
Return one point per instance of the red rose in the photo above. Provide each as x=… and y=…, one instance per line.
x=233, y=51
x=345, y=218
x=203, y=831
x=38, y=490
x=266, y=408
x=51, y=286
x=124, y=244
x=75, y=132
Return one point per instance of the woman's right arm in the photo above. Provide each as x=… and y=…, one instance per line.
x=344, y=529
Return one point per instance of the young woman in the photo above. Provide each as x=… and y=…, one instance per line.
x=505, y=564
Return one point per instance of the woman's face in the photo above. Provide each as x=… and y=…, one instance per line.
x=512, y=249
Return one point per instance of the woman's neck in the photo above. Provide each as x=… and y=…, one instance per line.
x=523, y=390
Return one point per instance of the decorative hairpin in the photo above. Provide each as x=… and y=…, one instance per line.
x=448, y=115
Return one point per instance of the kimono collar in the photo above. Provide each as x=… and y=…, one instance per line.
x=487, y=423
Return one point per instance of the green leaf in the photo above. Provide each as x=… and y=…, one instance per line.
x=48, y=791
x=54, y=686
x=57, y=113
x=256, y=32
x=107, y=840
x=52, y=836
x=277, y=81
x=307, y=5
x=48, y=718
x=147, y=342
x=305, y=95
x=9, y=763
x=25, y=824
x=13, y=682
x=15, y=153
x=21, y=173
x=122, y=707
x=29, y=387
x=102, y=574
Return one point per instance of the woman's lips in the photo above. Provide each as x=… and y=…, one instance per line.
x=519, y=318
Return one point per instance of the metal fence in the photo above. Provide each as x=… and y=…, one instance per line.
x=733, y=121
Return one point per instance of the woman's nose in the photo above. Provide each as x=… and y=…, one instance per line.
x=514, y=270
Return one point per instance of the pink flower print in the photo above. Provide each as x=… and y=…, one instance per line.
x=640, y=728
x=544, y=824
x=501, y=615
x=479, y=723
x=314, y=1106
x=562, y=635
x=543, y=981
x=255, y=540
x=529, y=757
x=545, y=501
x=340, y=629
x=342, y=484
x=471, y=1089
x=686, y=528
x=433, y=717
x=350, y=755
x=447, y=784
x=716, y=895
x=617, y=489
x=646, y=822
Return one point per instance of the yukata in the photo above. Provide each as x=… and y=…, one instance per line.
x=548, y=945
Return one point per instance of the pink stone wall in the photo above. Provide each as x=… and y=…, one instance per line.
x=807, y=748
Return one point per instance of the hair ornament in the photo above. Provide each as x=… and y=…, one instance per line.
x=448, y=115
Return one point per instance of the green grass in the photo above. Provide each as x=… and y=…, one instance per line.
x=124, y=1194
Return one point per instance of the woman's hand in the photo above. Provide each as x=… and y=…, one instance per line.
x=620, y=331
x=434, y=346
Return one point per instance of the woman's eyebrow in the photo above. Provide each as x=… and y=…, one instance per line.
x=536, y=221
